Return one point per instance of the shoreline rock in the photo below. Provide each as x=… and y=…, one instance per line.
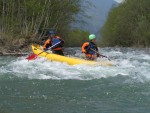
x=15, y=50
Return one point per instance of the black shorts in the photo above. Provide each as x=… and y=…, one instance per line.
x=58, y=52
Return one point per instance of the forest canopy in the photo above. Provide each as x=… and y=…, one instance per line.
x=128, y=25
x=23, y=18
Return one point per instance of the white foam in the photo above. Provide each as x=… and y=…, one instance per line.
x=129, y=64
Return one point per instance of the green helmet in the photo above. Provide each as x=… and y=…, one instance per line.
x=92, y=36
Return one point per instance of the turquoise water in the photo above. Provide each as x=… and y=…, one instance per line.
x=41, y=86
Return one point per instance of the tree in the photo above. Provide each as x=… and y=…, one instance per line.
x=20, y=19
x=77, y=37
x=128, y=24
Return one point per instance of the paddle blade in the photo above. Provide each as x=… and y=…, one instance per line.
x=32, y=57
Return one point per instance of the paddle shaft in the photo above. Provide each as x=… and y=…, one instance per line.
x=49, y=48
x=99, y=53
x=34, y=56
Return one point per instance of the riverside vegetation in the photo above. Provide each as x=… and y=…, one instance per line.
x=24, y=22
x=128, y=25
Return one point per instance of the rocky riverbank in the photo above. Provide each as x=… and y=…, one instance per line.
x=17, y=47
x=15, y=51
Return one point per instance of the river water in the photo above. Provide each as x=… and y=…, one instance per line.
x=41, y=86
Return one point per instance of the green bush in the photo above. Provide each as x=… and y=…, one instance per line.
x=76, y=38
x=128, y=25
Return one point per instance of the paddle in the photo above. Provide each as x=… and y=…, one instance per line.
x=34, y=56
x=100, y=54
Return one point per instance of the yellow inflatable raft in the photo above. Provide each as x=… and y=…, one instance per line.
x=71, y=61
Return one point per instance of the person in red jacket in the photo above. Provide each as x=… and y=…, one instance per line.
x=54, y=41
x=90, y=48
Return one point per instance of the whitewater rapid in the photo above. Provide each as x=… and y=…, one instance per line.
x=129, y=62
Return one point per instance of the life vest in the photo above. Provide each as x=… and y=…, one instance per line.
x=88, y=46
x=56, y=40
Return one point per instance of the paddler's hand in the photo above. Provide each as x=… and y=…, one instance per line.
x=45, y=49
x=98, y=55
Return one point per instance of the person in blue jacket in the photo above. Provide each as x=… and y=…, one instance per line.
x=56, y=41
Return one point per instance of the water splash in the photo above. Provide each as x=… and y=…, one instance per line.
x=131, y=63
